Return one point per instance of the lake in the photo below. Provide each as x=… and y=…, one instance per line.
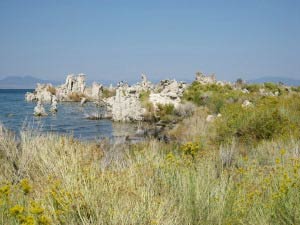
x=17, y=114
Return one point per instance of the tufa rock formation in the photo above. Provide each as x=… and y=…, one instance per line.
x=39, y=109
x=125, y=105
x=53, y=108
x=201, y=78
x=73, y=85
x=168, y=92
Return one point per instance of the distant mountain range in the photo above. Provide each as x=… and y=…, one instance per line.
x=23, y=82
x=286, y=81
x=29, y=82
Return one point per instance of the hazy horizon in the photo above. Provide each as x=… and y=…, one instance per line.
x=119, y=40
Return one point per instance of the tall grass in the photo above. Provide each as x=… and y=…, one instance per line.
x=49, y=179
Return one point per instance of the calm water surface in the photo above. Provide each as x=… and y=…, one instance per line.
x=17, y=114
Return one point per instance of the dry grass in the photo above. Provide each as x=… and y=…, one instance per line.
x=49, y=179
x=193, y=128
x=52, y=90
x=76, y=97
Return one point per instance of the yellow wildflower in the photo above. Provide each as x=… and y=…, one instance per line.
x=5, y=190
x=282, y=151
x=25, y=186
x=27, y=220
x=35, y=208
x=44, y=220
x=16, y=210
x=190, y=148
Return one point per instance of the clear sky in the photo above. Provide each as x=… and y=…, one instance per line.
x=120, y=39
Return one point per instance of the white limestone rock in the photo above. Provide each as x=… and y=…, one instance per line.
x=201, y=78
x=247, y=104
x=53, y=108
x=30, y=97
x=97, y=90
x=83, y=101
x=168, y=92
x=39, y=109
x=125, y=105
x=75, y=83
x=210, y=118
x=42, y=93
x=245, y=91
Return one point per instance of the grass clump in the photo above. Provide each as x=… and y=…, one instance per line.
x=166, y=112
x=52, y=90
x=150, y=114
x=272, y=87
x=76, y=96
x=144, y=97
x=296, y=89
x=253, y=88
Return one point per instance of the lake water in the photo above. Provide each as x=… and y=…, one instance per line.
x=17, y=114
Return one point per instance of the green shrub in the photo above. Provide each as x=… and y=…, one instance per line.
x=253, y=87
x=150, y=110
x=296, y=89
x=107, y=93
x=167, y=109
x=166, y=112
x=269, y=118
x=271, y=86
x=144, y=96
x=212, y=96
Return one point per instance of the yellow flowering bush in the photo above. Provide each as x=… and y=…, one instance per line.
x=190, y=148
x=16, y=210
x=19, y=205
x=25, y=186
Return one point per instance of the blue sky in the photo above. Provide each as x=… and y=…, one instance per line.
x=120, y=39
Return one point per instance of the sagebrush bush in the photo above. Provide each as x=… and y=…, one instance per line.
x=185, y=109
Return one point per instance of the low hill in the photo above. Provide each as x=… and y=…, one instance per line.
x=22, y=82
x=287, y=81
